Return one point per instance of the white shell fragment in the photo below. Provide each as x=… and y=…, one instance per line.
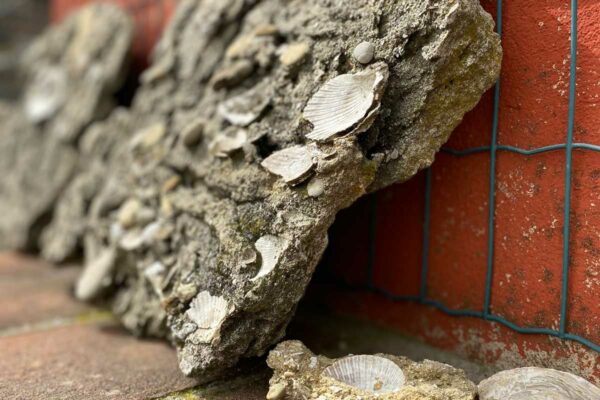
x=92, y=279
x=294, y=164
x=46, y=94
x=315, y=187
x=364, y=52
x=208, y=313
x=345, y=102
x=224, y=145
x=370, y=373
x=533, y=383
x=137, y=239
x=244, y=109
x=270, y=248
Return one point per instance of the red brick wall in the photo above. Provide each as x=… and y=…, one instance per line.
x=530, y=195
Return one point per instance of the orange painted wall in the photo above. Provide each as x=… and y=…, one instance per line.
x=530, y=194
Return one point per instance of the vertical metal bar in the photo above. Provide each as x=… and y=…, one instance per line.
x=569, y=159
x=492, y=187
x=426, y=232
x=372, y=239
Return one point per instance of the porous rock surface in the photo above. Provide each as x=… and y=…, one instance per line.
x=298, y=374
x=190, y=236
x=72, y=72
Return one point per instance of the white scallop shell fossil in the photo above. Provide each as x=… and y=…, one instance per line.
x=270, y=248
x=532, y=383
x=208, y=313
x=294, y=164
x=245, y=108
x=223, y=145
x=370, y=373
x=342, y=104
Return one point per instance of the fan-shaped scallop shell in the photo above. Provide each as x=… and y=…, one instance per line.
x=533, y=383
x=370, y=373
x=208, y=313
x=294, y=164
x=270, y=248
x=345, y=101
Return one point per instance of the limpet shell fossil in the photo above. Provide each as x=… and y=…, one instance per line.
x=342, y=104
x=208, y=313
x=532, y=383
x=270, y=248
x=370, y=373
x=294, y=164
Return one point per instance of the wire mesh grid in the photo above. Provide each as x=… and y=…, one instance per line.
x=493, y=149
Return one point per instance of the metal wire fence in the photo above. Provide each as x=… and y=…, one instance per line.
x=493, y=149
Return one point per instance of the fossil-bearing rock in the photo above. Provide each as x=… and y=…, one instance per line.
x=220, y=244
x=299, y=374
x=532, y=383
x=72, y=72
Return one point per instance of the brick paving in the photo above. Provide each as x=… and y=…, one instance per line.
x=52, y=347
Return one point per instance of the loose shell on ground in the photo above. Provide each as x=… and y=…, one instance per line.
x=533, y=383
x=270, y=248
x=207, y=312
x=345, y=101
x=294, y=164
x=371, y=373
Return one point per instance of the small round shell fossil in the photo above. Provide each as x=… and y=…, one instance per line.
x=370, y=373
x=364, y=52
x=294, y=164
x=208, y=313
x=533, y=383
x=346, y=103
x=245, y=108
x=270, y=248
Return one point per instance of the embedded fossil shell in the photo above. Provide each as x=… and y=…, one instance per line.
x=46, y=95
x=246, y=108
x=224, y=145
x=371, y=373
x=136, y=239
x=345, y=102
x=208, y=313
x=315, y=187
x=364, y=52
x=192, y=132
x=95, y=272
x=270, y=248
x=294, y=164
x=533, y=383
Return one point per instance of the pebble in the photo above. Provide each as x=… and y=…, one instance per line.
x=128, y=213
x=192, y=133
x=276, y=392
x=294, y=54
x=233, y=75
x=364, y=52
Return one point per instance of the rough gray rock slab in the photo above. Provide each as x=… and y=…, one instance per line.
x=72, y=72
x=532, y=383
x=299, y=374
x=211, y=241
